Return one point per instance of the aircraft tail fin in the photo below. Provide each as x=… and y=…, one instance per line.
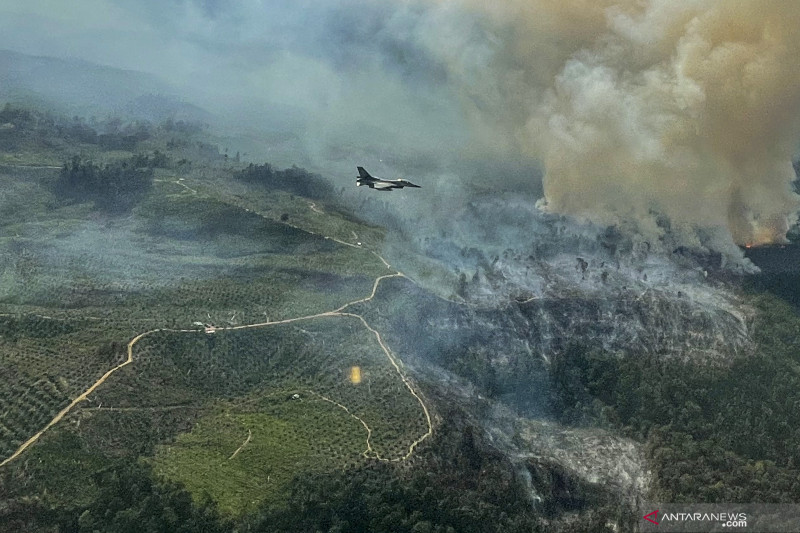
x=363, y=173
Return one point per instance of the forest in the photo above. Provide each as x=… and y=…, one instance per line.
x=294, y=180
x=114, y=187
x=714, y=433
x=21, y=126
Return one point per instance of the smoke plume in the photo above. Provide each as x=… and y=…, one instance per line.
x=640, y=109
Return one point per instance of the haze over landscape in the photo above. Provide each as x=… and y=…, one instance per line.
x=634, y=110
x=598, y=269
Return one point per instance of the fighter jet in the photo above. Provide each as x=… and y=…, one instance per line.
x=379, y=184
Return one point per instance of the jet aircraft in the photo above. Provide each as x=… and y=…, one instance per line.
x=364, y=178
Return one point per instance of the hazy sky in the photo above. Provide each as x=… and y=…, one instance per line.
x=346, y=75
x=635, y=108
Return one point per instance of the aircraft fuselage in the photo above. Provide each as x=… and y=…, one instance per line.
x=364, y=178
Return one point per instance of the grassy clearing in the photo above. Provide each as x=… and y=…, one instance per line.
x=285, y=437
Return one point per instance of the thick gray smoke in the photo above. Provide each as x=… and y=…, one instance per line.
x=644, y=108
x=636, y=110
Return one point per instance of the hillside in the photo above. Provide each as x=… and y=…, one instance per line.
x=110, y=307
x=190, y=339
x=76, y=87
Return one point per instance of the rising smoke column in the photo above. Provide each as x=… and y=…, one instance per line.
x=641, y=108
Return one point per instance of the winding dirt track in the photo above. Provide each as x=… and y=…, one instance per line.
x=83, y=396
x=249, y=436
x=336, y=312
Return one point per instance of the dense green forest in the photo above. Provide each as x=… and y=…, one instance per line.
x=20, y=126
x=715, y=432
x=114, y=187
x=294, y=180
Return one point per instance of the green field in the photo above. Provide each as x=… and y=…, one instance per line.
x=77, y=284
x=257, y=371
x=282, y=437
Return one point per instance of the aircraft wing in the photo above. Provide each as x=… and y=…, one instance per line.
x=383, y=186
